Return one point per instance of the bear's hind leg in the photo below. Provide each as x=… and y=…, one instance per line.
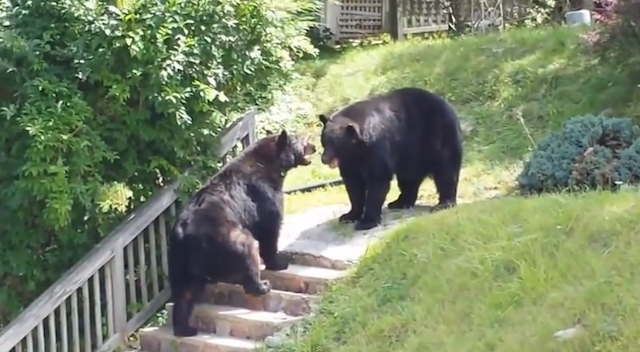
x=408, y=193
x=446, y=179
x=269, y=252
x=183, y=303
x=251, y=282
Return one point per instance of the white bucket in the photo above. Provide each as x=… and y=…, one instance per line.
x=578, y=17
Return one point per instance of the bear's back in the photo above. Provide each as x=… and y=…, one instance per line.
x=237, y=194
x=405, y=115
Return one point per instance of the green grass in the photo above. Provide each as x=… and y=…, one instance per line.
x=512, y=88
x=499, y=275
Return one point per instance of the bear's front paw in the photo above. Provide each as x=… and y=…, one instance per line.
x=278, y=264
x=349, y=217
x=265, y=287
x=259, y=288
x=366, y=225
x=185, y=331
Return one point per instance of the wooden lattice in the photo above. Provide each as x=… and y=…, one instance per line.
x=359, y=18
x=355, y=19
x=420, y=16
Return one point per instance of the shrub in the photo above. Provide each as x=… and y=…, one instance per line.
x=98, y=97
x=604, y=10
x=617, y=36
x=588, y=152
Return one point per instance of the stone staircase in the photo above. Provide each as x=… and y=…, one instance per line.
x=229, y=320
x=319, y=253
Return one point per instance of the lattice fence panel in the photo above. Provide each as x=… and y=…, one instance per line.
x=425, y=15
x=359, y=19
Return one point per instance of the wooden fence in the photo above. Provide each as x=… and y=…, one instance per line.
x=117, y=286
x=356, y=19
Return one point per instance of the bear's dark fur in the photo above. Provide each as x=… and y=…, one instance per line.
x=232, y=222
x=410, y=133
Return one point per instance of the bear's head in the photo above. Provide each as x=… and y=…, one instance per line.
x=341, y=139
x=293, y=150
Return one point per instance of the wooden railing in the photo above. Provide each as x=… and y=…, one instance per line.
x=117, y=286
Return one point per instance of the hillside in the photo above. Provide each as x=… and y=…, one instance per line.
x=497, y=275
x=511, y=89
x=500, y=275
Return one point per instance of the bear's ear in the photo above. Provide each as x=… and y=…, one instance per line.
x=323, y=118
x=353, y=130
x=283, y=141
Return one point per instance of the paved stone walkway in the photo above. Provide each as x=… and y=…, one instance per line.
x=320, y=251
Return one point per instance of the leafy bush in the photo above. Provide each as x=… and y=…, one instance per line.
x=587, y=152
x=320, y=36
x=604, y=10
x=617, y=37
x=102, y=104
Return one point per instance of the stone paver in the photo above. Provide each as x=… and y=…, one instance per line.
x=237, y=321
x=294, y=304
x=313, y=233
x=230, y=321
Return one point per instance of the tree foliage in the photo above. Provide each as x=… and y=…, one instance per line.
x=617, y=37
x=588, y=152
x=101, y=99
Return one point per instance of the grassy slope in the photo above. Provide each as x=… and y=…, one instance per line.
x=500, y=275
x=512, y=88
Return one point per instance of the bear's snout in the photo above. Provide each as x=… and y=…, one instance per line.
x=329, y=160
x=326, y=159
x=307, y=153
x=309, y=149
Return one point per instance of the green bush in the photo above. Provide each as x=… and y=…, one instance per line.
x=588, y=152
x=101, y=103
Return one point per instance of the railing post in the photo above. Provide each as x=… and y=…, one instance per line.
x=251, y=137
x=119, y=293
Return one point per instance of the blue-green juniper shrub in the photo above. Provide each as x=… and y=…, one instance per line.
x=588, y=152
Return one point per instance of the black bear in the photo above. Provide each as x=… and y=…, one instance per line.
x=410, y=133
x=231, y=223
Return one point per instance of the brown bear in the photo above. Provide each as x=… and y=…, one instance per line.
x=231, y=223
x=410, y=133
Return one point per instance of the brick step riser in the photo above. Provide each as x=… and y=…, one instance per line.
x=275, y=301
x=151, y=343
x=294, y=284
x=223, y=326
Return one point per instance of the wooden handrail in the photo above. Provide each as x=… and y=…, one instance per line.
x=242, y=130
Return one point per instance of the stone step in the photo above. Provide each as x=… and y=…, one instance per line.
x=294, y=304
x=309, y=259
x=302, y=279
x=236, y=321
x=162, y=340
